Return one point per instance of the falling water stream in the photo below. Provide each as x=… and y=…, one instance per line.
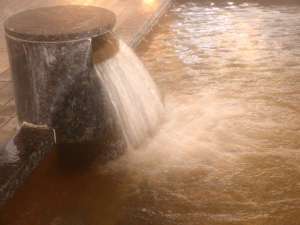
x=228, y=151
x=133, y=95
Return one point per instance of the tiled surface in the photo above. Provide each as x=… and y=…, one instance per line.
x=135, y=17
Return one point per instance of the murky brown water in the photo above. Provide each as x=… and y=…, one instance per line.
x=229, y=150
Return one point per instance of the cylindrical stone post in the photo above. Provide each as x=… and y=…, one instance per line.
x=50, y=51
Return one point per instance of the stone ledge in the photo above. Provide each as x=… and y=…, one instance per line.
x=21, y=155
x=13, y=174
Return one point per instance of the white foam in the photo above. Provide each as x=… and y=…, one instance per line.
x=132, y=93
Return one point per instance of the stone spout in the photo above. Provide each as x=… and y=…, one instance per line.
x=51, y=57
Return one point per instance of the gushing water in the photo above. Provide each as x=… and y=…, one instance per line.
x=228, y=151
x=132, y=93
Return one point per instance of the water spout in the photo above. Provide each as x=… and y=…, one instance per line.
x=131, y=93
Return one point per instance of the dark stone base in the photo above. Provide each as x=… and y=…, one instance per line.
x=21, y=155
x=13, y=172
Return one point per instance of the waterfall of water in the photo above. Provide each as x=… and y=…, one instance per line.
x=132, y=94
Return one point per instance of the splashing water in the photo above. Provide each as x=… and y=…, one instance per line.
x=132, y=93
x=228, y=151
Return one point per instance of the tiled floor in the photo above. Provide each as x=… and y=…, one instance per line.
x=134, y=17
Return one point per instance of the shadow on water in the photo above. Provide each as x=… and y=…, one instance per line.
x=56, y=194
x=228, y=152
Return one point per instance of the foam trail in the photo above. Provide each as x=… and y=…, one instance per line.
x=132, y=93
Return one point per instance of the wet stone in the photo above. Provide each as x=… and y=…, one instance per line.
x=56, y=85
x=20, y=155
x=56, y=89
x=9, y=109
x=5, y=76
x=60, y=23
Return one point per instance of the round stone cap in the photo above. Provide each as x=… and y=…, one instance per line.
x=60, y=23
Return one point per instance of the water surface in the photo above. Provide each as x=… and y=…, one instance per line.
x=228, y=152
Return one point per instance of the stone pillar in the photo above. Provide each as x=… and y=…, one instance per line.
x=50, y=51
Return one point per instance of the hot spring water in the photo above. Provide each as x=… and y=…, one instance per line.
x=228, y=150
x=132, y=95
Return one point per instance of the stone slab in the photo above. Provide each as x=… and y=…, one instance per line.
x=21, y=155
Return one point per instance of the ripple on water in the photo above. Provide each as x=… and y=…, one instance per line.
x=229, y=150
x=231, y=78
